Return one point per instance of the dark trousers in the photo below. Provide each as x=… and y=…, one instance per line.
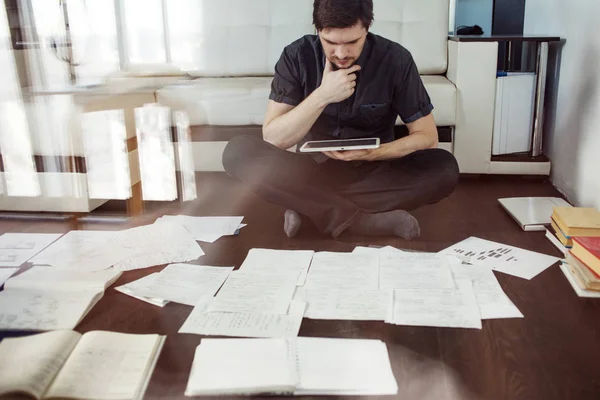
x=332, y=193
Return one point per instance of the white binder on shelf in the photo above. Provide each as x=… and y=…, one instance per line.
x=513, y=118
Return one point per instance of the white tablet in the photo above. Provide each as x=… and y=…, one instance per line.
x=339, y=145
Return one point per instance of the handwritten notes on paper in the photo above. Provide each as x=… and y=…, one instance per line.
x=79, y=250
x=264, y=260
x=255, y=292
x=248, y=324
x=493, y=302
x=358, y=305
x=134, y=248
x=44, y=310
x=451, y=308
x=185, y=283
x=132, y=288
x=399, y=270
x=155, y=244
x=206, y=229
x=343, y=271
x=17, y=248
x=6, y=273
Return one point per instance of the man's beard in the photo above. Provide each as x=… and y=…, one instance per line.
x=348, y=65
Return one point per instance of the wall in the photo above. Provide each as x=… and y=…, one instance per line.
x=475, y=12
x=572, y=131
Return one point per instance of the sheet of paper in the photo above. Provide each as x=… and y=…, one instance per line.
x=493, y=302
x=343, y=271
x=255, y=324
x=241, y=366
x=206, y=229
x=374, y=250
x=17, y=248
x=403, y=270
x=501, y=257
x=44, y=310
x=6, y=273
x=156, y=244
x=38, y=357
x=255, y=292
x=361, y=305
x=49, y=278
x=131, y=288
x=79, y=250
x=266, y=259
x=450, y=308
x=186, y=283
x=343, y=367
x=106, y=365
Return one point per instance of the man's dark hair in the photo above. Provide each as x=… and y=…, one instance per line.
x=342, y=13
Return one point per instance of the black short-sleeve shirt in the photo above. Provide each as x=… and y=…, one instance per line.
x=388, y=85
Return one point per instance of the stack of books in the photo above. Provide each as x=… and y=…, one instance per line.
x=569, y=222
x=577, y=230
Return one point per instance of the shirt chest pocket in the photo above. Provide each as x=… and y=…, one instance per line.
x=374, y=113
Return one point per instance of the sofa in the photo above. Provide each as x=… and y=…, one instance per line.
x=238, y=42
x=229, y=49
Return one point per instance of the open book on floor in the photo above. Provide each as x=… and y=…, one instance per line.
x=65, y=364
x=48, y=298
x=299, y=366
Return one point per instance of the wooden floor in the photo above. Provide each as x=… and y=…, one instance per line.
x=553, y=353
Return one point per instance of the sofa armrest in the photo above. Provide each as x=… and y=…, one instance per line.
x=472, y=68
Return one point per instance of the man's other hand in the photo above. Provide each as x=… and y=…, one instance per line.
x=353, y=155
x=337, y=85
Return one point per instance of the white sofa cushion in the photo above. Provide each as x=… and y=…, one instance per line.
x=243, y=101
x=443, y=97
x=234, y=37
x=419, y=25
x=210, y=38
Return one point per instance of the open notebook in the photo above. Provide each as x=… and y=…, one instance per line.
x=47, y=298
x=299, y=366
x=65, y=364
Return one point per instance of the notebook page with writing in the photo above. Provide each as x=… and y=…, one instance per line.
x=6, y=273
x=79, y=250
x=255, y=292
x=359, y=305
x=343, y=367
x=38, y=357
x=132, y=288
x=18, y=248
x=330, y=270
x=242, y=366
x=205, y=229
x=248, y=324
x=493, y=302
x=156, y=244
x=186, y=283
x=107, y=366
x=44, y=310
x=265, y=259
x=403, y=270
x=50, y=278
x=450, y=308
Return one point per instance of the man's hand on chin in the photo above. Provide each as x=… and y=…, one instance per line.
x=353, y=155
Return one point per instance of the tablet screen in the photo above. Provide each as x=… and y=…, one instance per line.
x=341, y=143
